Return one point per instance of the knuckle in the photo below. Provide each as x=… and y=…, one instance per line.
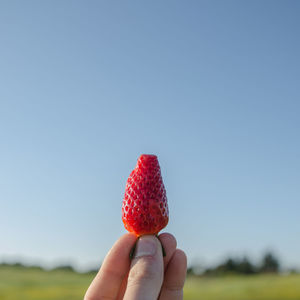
x=143, y=270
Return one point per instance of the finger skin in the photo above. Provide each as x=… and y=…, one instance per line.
x=174, y=277
x=169, y=243
x=123, y=288
x=146, y=271
x=115, y=267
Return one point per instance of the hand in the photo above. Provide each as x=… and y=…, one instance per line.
x=148, y=276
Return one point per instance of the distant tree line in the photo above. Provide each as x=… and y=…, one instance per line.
x=269, y=264
x=62, y=268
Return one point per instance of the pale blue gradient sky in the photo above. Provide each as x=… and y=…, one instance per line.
x=211, y=87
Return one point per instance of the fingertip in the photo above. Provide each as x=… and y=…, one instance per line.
x=181, y=258
x=168, y=239
x=128, y=237
x=169, y=244
x=122, y=246
x=179, y=263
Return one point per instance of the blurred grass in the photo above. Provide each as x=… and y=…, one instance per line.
x=26, y=283
x=255, y=287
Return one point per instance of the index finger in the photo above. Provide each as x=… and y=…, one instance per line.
x=115, y=267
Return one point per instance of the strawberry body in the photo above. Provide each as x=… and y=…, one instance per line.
x=145, y=208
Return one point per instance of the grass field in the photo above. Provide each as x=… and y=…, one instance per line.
x=25, y=284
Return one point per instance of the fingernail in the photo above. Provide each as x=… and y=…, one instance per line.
x=146, y=246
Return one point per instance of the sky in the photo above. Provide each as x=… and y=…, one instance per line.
x=210, y=87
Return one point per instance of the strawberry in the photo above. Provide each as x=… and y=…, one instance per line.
x=145, y=208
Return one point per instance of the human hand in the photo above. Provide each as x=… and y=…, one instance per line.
x=148, y=276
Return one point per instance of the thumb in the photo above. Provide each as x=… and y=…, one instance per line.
x=146, y=271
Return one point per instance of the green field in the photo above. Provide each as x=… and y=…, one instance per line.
x=25, y=284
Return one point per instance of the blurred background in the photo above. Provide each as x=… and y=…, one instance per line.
x=210, y=87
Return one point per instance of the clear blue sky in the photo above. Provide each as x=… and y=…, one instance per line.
x=211, y=87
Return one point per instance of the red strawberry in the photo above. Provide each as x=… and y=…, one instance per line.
x=145, y=208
